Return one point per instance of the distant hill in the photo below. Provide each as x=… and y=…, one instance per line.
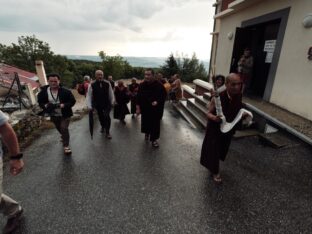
x=133, y=61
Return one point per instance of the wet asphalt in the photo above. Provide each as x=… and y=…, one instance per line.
x=124, y=185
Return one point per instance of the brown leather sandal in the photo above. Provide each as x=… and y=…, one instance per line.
x=67, y=150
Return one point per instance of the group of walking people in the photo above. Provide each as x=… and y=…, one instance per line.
x=147, y=99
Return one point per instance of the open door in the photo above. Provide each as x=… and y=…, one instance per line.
x=256, y=37
x=243, y=39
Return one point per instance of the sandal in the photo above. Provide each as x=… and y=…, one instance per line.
x=155, y=144
x=217, y=178
x=67, y=150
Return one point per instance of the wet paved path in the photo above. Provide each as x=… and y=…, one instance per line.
x=123, y=185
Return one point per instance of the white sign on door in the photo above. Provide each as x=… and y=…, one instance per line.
x=269, y=57
x=269, y=45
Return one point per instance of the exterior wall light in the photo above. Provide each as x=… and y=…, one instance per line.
x=307, y=21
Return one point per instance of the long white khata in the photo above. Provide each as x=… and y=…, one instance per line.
x=225, y=126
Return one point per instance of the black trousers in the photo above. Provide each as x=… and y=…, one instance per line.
x=104, y=118
x=61, y=124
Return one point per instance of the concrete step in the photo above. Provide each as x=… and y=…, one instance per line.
x=275, y=140
x=201, y=101
x=189, y=91
x=195, y=116
x=181, y=108
x=191, y=103
x=207, y=96
x=202, y=86
x=246, y=133
x=262, y=119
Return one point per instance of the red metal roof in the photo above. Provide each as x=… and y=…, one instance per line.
x=7, y=76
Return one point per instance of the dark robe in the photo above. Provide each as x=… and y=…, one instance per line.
x=133, y=88
x=216, y=144
x=150, y=91
x=112, y=83
x=121, y=108
x=101, y=101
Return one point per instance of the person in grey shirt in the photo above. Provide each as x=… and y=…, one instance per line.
x=100, y=96
x=8, y=206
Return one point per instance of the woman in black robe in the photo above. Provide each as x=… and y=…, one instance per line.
x=216, y=144
x=151, y=98
x=133, y=88
x=122, y=98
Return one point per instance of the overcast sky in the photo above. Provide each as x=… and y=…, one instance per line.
x=152, y=28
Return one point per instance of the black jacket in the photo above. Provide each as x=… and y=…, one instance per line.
x=100, y=91
x=65, y=97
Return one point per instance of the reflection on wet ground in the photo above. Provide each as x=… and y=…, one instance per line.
x=124, y=185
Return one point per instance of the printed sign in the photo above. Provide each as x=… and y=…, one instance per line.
x=269, y=45
x=269, y=57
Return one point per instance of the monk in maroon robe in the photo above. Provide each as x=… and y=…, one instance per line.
x=216, y=144
x=151, y=98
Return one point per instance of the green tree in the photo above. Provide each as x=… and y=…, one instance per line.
x=137, y=72
x=26, y=52
x=170, y=67
x=192, y=69
x=114, y=65
x=29, y=49
x=188, y=68
x=68, y=79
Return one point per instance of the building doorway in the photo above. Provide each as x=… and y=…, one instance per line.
x=261, y=39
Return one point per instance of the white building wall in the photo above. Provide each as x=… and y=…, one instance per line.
x=292, y=88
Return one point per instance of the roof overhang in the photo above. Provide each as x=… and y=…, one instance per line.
x=235, y=6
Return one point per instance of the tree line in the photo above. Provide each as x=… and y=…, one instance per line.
x=29, y=49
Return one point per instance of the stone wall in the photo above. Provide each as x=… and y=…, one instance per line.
x=26, y=125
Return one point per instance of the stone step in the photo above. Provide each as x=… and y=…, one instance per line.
x=188, y=91
x=181, y=108
x=197, y=107
x=207, y=96
x=275, y=140
x=202, y=101
x=202, y=86
x=195, y=115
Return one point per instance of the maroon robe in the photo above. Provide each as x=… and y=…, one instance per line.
x=216, y=144
x=122, y=98
x=150, y=91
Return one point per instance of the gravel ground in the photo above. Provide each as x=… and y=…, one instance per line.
x=298, y=123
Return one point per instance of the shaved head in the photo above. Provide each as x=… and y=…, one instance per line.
x=233, y=84
x=99, y=74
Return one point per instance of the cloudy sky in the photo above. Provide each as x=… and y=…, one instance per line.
x=152, y=28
